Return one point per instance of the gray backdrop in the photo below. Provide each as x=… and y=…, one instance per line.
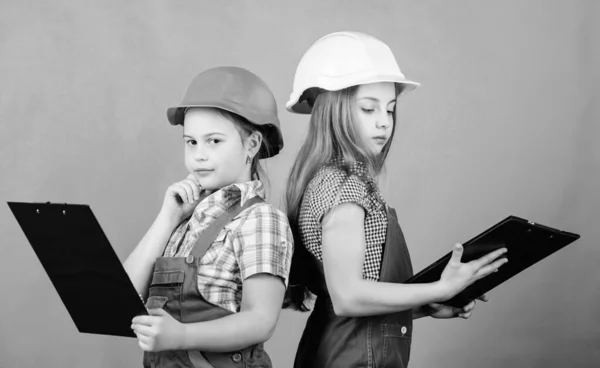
x=506, y=122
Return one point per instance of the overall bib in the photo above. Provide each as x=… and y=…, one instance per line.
x=174, y=288
x=379, y=341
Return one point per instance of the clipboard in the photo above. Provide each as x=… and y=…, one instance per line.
x=527, y=242
x=82, y=265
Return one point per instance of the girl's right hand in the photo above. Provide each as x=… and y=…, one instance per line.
x=182, y=198
x=457, y=275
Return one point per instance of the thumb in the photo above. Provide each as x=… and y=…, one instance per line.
x=457, y=252
x=158, y=312
x=435, y=305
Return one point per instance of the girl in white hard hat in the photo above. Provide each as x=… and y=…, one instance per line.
x=215, y=263
x=349, y=250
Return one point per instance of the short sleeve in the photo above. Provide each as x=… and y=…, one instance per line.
x=264, y=243
x=334, y=188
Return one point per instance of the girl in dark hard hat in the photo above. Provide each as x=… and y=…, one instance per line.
x=215, y=236
x=350, y=251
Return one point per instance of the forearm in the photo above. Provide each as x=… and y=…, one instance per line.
x=230, y=333
x=139, y=265
x=366, y=298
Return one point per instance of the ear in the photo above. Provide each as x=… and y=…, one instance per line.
x=253, y=143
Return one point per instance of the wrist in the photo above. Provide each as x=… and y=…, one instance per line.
x=180, y=340
x=419, y=312
x=440, y=291
x=167, y=219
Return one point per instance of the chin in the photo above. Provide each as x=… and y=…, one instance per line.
x=208, y=184
x=377, y=151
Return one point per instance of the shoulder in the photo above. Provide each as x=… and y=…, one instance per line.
x=330, y=179
x=333, y=186
x=263, y=217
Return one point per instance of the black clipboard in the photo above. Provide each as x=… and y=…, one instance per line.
x=82, y=265
x=527, y=243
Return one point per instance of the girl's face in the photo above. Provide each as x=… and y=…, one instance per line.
x=375, y=104
x=214, y=150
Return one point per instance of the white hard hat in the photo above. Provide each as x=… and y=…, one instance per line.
x=343, y=59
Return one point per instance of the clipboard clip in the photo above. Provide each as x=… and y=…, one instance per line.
x=37, y=210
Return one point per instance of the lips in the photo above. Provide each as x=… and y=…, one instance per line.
x=202, y=172
x=380, y=139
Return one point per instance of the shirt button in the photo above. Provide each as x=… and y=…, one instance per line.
x=237, y=357
x=403, y=330
x=189, y=259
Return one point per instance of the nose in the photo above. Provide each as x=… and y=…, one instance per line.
x=200, y=153
x=384, y=121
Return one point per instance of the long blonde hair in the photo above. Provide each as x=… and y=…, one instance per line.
x=332, y=135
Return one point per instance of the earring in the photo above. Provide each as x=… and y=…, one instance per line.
x=248, y=160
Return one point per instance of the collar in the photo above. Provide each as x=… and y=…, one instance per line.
x=238, y=192
x=226, y=197
x=359, y=169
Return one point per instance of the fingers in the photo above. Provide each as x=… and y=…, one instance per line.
x=486, y=270
x=194, y=178
x=195, y=185
x=488, y=258
x=179, y=191
x=192, y=188
x=469, y=307
x=188, y=191
x=484, y=298
x=465, y=315
x=144, y=320
x=144, y=345
x=457, y=252
x=142, y=331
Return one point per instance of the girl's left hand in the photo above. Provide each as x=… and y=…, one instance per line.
x=442, y=311
x=159, y=331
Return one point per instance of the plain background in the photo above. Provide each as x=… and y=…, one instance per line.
x=506, y=123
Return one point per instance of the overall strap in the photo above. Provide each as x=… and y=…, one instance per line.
x=208, y=236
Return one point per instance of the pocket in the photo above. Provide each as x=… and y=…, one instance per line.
x=167, y=279
x=156, y=302
x=165, y=285
x=396, y=344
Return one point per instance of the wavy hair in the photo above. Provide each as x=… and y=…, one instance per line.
x=332, y=136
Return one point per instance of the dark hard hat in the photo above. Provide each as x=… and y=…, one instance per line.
x=239, y=91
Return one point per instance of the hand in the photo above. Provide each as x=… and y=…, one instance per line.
x=159, y=331
x=182, y=198
x=442, y=311
x=457, y=275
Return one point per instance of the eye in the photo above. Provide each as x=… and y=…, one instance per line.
x=190, y=142
x=391, y=112
x=367, y=111
x=213, y=141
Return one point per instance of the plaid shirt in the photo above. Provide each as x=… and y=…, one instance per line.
x=354, y=186
x=258, y=240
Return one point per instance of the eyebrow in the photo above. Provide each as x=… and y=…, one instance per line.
x=206, y=135
x=375, y=99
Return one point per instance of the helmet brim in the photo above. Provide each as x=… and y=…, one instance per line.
x=300, y=106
